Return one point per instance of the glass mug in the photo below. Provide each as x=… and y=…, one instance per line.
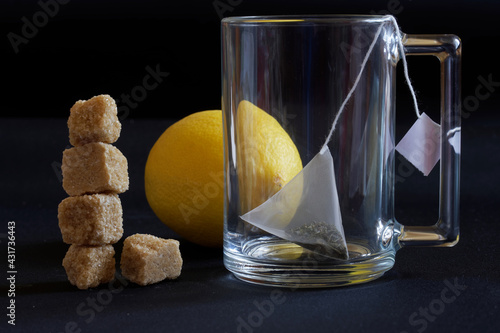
x=300, y=70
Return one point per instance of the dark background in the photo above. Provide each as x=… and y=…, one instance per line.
x=93, y=47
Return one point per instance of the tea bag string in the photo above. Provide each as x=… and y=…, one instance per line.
x=358, y=78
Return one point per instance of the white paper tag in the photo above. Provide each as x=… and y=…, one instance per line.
x=421, y=145
x=454, y=141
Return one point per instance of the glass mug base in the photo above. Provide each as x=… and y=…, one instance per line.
x=271, y=261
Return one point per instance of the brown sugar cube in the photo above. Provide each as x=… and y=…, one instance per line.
x=147, y=259
x=89, y=266
x=94, y=120
x=94, y=168
x=94, y=219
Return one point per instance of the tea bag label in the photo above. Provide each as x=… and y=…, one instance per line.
x=454, y=140
x=421, y=145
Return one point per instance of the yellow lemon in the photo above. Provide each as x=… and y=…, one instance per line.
x=184, y=171
x=184, y=178
x=267, y=158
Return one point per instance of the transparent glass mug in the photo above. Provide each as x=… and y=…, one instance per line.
x=300, y=70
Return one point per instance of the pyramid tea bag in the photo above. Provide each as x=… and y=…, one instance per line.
x=316, y=223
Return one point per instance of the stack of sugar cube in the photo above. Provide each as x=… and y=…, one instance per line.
x=94, y=173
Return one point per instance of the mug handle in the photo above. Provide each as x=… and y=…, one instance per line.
x=448, y=49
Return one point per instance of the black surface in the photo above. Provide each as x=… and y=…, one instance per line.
x=208, y=298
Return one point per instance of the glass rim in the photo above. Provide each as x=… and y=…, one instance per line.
x=322, y=18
